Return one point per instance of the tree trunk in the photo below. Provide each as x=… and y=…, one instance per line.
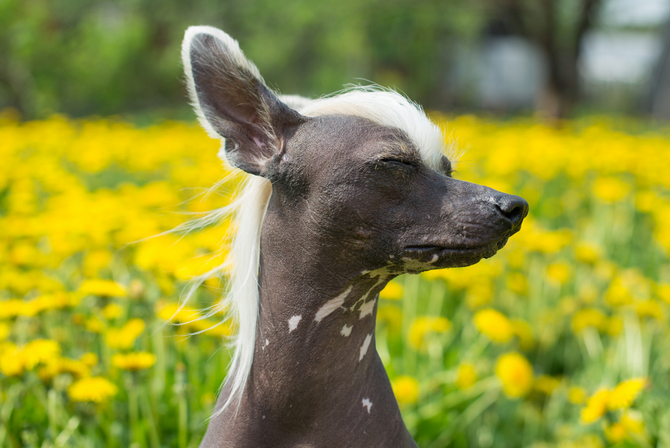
x=658, y=101
x=538, y=22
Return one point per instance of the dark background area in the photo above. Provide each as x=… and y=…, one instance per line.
x=555, y=57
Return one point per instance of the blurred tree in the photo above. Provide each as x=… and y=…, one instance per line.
x=557, y=27
x=97, y=56
x=657, y=102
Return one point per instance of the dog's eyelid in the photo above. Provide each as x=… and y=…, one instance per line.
x=399, y=161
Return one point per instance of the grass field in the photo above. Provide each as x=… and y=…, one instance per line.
x=561, y=340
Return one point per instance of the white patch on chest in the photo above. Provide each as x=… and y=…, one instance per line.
x=367, y=404
x=332, y=305
x=346, y=330
x=367, y=308
x=365, y=346
x=293, y=323
x=266, y=344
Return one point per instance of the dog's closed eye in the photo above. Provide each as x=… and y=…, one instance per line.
x=399, y=162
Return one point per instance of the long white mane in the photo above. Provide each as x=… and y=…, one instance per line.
x=241, y=301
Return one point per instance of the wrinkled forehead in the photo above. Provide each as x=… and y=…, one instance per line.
x=390, y=110
x=325, y=138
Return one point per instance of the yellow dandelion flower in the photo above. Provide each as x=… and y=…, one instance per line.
x=95, y=261
x=494, y=324
x=589, y=317
x=165, y=284
x=524, y=332
x=623, y=395
x=516, y=258
x=576, y=395
x=610, y=189
x=94, y=325
x=11, y=361
x=405, y=389
x=392, y=291
x=479, y=294
x=63, y=365
x=559, y=272
x=515, y=373
x=52, y=302
x=649, y=308
x=630, y=423
x=596, y=406
x=76, y=368
x=24, y=254
x=663, y=292
x=90, y=359
x=439, y=274
x=546, y=384
x=517, y=282
x=123, y=338
x=111, y=311
x=548, y=241
x=646, y=201
x=49, y=371
x=424, y=325
x=615, y=432
x=467, y=376
x=587, y=253
x=12, y=308
x=392, y=315
x=40, y=351
x=624, y=285
x=174, y=313
x=134, y=361
x=94, y=389
x=633, y=422
x=103, y=288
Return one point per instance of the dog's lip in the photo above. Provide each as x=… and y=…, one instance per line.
x=424, y=251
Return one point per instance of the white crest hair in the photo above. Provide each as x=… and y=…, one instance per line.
x=379, y=105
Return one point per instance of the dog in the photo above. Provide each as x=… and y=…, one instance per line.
x=343, y=194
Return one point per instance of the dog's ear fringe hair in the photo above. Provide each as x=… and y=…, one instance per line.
x=241, y=299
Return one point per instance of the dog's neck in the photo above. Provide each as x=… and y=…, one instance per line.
x=316, y=372
x=301, y=347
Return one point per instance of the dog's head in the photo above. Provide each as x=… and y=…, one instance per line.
x=358, y=177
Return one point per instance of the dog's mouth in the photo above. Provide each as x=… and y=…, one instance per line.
x=460, y=256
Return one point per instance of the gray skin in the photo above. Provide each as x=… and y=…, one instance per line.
x=352, y=206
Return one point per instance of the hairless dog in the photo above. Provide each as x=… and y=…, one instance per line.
x=344, y=193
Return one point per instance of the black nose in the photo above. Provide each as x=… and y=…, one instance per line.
x=512, y=207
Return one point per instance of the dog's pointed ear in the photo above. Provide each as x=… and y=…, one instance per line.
x=232, y=101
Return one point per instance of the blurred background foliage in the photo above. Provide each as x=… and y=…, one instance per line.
x=83, y=57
